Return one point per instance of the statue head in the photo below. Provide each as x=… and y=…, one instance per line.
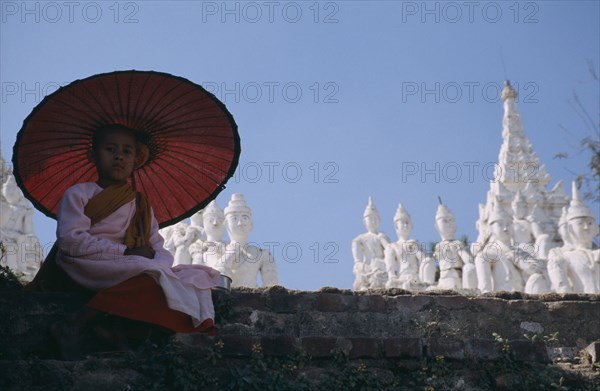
x=11, y=191
x=519, y=206
x=238, y=218
x=500, y=223
x=581, y=223
x=402, y=223
x=445, y=223
x=371, y=217
x=212, y=221
x=180, y=228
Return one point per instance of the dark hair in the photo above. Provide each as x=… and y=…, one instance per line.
x=101, y=132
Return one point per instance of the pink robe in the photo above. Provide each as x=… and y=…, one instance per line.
x=93, y=256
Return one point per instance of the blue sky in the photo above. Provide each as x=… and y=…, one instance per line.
x=335, y=100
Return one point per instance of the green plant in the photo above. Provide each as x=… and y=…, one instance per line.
x=507, y=363
x=548, y=340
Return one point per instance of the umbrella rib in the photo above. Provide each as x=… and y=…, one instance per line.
x=192, y=174
x=138, y=102
x=199, y=113
x=157, y=175
x=189, y=153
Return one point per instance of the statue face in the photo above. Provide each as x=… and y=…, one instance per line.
x=502, y=230
x=446, y=227
x=213, y=225
x=582, y=230
x=520, y=209
x=239, y=225
x=403, y=227
x=372, y=222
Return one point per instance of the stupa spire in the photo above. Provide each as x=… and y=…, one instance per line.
x=519, y=164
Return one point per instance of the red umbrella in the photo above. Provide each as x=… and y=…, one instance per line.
x=193, y=140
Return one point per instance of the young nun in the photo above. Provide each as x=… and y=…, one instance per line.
x=108, y=243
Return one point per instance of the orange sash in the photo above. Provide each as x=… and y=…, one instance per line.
x=51, y=277
x=112, y=198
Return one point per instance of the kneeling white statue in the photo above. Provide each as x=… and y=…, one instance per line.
x=457, y=269
x=502, y=267
x=211, y=251
x=407, y=266
x=246, y=261
x=368, y=252
x=575, y=267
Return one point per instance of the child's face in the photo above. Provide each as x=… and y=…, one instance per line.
x=114, y=157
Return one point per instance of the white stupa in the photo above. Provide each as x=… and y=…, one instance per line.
x=519, y=170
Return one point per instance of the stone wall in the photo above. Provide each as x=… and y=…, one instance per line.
x=330, y=338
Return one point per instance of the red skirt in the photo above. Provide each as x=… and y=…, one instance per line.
x=141, y=298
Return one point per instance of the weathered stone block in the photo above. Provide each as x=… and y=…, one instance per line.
x=279, y=345
x=403, y=347
x=252, y=300
x=364, y=348
x=287, y=303
x=236, y=345
x=526, y=306
x=452, y=302
x=371, y=303
x=524, y=350
x=333, y=302
x=491, y=305
x=319, y=346
x=449, y=348
x=482, y=349
x=408, y=303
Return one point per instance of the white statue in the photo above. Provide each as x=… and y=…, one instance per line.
x=543, y=232
x=182, y=236
x=21, y=250
x=167, y=234
x=406, y=264
x=368, y=252
x=457, y=269
x=502, y=267
x=246, y=260
x=211, y=251
x=575, y=267
x=521, y=224
x=197, y=221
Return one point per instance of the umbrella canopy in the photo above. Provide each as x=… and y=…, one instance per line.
x=193, y=140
